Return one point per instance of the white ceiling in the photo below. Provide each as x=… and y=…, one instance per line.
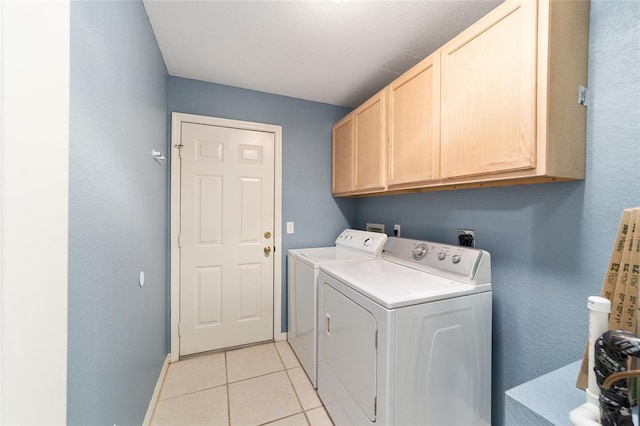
x=334, y=52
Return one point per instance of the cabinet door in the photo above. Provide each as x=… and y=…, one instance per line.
x=414, y=125
x=370, y=131
x=489, y=94
x=343, y=156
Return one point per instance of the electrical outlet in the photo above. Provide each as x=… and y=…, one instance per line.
x=467, y=237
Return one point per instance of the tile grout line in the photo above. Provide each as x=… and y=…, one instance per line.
x=192, y=392
x=295, y=391
x=284, y=369
x=281, y=418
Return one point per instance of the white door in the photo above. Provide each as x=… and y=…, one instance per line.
x=226, y=237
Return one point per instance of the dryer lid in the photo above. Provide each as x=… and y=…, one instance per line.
x=392, y=285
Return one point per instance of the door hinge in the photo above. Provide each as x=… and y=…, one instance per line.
x=375, y=405
x=376, y=342
x=179, y=149
x=179, y=329
x=179, y=240
x=582, y=95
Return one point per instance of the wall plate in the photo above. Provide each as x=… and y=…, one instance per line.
x=375, y=227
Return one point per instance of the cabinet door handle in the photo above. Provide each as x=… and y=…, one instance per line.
x=328, y=324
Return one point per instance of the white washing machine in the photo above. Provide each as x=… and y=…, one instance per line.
x=303, y=268
x=406, y=339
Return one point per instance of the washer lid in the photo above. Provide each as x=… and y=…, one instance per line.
x=393, y=286
x=314, y=257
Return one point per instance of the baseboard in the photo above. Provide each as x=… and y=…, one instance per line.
x=156, y=392
x=283, y=336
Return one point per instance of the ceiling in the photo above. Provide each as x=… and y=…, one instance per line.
x=339, y=53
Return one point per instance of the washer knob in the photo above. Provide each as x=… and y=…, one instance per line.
x=456, y=258
x=442, y=255
x=367, y=242
x=419, y=252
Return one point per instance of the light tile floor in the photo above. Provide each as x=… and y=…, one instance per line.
x=258, y=385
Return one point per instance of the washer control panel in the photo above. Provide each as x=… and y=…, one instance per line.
x=435, y=257
x=364, y=241
x=419, y=252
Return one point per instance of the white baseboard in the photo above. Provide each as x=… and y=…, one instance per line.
x=283, y=336
x=156, y=392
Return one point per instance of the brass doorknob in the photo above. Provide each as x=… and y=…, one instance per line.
x=267, y=250
x=267, y=234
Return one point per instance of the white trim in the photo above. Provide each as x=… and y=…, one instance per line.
x=177, y=118
x=34, y=181
x=2, y=61
x=151, y=409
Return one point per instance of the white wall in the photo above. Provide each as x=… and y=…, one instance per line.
x=34, y=120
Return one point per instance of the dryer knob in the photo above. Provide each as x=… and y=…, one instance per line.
x=419, y=252
x=442, y=255
x=456, y=258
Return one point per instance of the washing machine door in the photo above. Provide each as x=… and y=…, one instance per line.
x=348, y=344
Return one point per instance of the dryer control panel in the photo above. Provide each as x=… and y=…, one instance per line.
x=363, y=241
x=462, y=263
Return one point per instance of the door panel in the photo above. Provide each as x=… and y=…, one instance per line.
x=226, y=279
x=209, y=295
x=414, y=124
x=370, y=144
x=343, y=156
x=209, y=218
x=489, y=94
x=349, y=350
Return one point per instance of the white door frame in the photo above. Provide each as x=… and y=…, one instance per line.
x=177, y=119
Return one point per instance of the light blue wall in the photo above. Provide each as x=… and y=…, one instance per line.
x=117, y=224
x=550, y=243
x=306, y=156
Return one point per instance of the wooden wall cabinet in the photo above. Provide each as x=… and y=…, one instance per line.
x=359, y=149
x=497, y=105
x=510, y=88
x=343, y=156
x=414, y=126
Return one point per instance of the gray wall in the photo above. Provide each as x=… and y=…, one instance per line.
x=117, y=221
x=306, y=156
x=550, y=243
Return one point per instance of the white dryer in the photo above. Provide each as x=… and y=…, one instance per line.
x=406, y=339
x=303, y=268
